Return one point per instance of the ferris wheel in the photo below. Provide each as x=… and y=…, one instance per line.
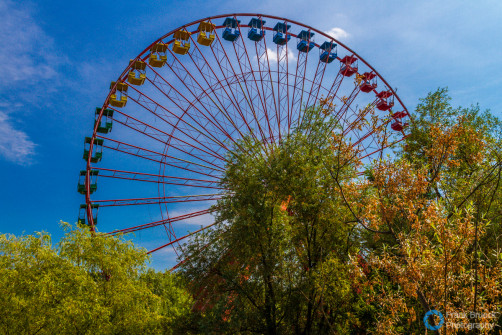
x=160, y=140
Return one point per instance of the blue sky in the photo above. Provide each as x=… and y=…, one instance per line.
x=59, y=57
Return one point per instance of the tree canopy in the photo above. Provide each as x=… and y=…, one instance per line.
x=304, y=244
x=86, y=284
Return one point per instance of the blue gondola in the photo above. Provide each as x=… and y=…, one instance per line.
x=256, y=31
x=304, y=43
x=328, y=52
x=281, y=36
x=231, y=32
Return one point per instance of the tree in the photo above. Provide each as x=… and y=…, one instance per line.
x=87, y=284
x=282, y=236
x=303, y=244
x=436, y=213
x=175, y=302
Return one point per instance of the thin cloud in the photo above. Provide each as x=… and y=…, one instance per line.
x=27, y=52
x=15, y=145
x=338, y=33
x=272, y=56
x=29, y=59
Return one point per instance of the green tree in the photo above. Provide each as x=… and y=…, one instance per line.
x=276, y=260
x=86, y=284
x=175, y=302
x=303, y=244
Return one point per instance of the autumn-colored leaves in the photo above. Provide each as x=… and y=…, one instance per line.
x=433, y=204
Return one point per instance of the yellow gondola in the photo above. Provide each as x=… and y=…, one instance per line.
x=138, y=65
x=157, y=60
x=122, y=88
x=157, y=57
x=137, y=68
x=133, y=79
x=118, y=103
x=181, y=44
x=206, y=33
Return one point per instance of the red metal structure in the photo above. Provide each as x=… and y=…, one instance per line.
x=192, y=94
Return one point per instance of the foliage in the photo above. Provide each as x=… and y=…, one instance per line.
x=84, y=285
x=276, y=261
x=305, y=245
x=437, y=212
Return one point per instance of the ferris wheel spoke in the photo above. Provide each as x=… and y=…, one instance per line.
x=262, y=55
x=300, y=59
x=360, y=121
x=188, y=258
x=157, y=200
x=320, y=67
x=159, y=179
x=179, y=148
x=158, y=157
x=347, y=101
x=283, y=86
x=245, y=63
x=179, y=119
x=316, y=85
x=215, y=83
x=228, y=71
x=373, y=130
x=333, y=90
x=341, y=115
x=193, y=86
x=162, y=136
x=224, y=64
x=383, y=147
x=177, y=98
x=365, y=145
x=371, y=142
x=317, y=82
x=206, y=132
x=361, y=114
x=181, y=238
x=162, y=222
x=301, y=89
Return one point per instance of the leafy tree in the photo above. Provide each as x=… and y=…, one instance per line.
x=282, y=237
x=175, y=302
x=435, y=218
x=87, y=284
x=305, y=245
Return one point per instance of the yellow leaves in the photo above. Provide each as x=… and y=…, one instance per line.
x=456, y=145
x=358, y=79
x=326, y=105
x=412, y=317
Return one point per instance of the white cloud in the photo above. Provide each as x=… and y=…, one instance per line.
x=29, y=59
x=27, y=52
x=15, y=145
x=338, y=33
x=272, y=56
